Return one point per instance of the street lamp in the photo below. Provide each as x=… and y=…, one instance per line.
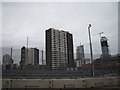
x=91, y=53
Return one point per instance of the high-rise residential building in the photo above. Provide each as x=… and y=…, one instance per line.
x=104, y=47
x=80, y=56
x=29, y=56
x=80, y=52
x=59, y=49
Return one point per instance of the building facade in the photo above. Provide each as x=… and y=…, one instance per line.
x=29, y=56
x=7, y=62
x=104, y=47
x=80, y=56
x=7, y=59
x=80, y=52
x=59, y=49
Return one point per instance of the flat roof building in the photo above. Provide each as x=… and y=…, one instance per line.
x=29, y=56
x=80, y=52
x=104, y=47
x=59, y=49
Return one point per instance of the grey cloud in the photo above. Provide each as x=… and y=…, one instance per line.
x=32, y=19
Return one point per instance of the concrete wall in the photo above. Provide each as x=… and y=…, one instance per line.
x=62, y=83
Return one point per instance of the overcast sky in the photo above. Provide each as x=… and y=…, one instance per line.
x=20, y=20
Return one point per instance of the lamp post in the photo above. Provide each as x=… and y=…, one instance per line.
x=91, y=53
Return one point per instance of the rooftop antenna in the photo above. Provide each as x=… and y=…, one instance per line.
x=27, y=48
x=11, y=52
x=27, y=41
x=42, y=58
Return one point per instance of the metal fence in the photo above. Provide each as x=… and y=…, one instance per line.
x=56, y=73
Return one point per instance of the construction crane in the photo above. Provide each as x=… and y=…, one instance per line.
x=101, y=34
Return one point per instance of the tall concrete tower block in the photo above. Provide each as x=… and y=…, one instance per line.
x=104, y=47
x=59, y=49
x=80, y=52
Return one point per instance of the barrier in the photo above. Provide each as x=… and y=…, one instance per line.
x=98, y=82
